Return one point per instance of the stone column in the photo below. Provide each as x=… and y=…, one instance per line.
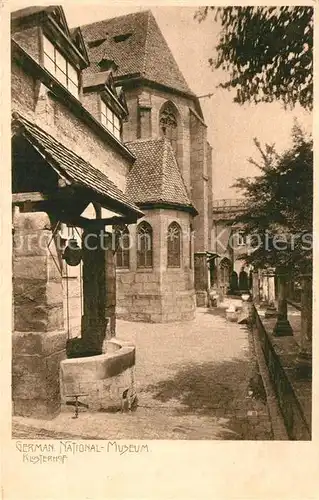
x=271, y=287
x=264, y=279
x=201, y=278
x=304, y=357
x=282, y=327
x=39, y=338
x=256, y=294
x=271, y=310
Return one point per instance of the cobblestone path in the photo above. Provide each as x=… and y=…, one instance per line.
x=195, y=380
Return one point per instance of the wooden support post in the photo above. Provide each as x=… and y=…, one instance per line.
x=94, y=322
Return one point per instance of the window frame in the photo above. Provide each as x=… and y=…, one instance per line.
x=122, y=257
x=174, y=252
x=171, y=130
x=144, y=256
x=56, y=57
x=107, y=117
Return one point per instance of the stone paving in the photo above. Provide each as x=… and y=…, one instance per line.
x=195, y=380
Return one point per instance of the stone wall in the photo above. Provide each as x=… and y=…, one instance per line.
x=199, y=180
x=39, y=339
x=294, y=393
x=132, y=129
x=194, y=154
x=158, y=294
x=36, y=103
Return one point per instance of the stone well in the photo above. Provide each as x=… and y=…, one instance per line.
x=102, y=382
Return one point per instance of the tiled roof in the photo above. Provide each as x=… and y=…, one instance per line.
x=91, y=80
x=155, y=176
x=73, y=167
x=144, y=52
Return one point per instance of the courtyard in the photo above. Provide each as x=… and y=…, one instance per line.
x=195, y=380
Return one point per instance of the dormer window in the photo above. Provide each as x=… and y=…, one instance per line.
x=110, y=120
x=121, y=38
x=60, y=68
x=107, y=64
x=96, y=43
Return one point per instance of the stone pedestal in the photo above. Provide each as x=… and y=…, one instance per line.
x=39, y=339
x=271, y=311
x=282, y=327
x=247, y=313
x=201, y=278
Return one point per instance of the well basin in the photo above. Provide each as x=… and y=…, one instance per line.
x=102, y=382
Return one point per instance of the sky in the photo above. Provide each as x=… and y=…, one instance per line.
x=231, y=127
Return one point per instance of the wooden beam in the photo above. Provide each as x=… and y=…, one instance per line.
x=85, y=223
x=34, y=196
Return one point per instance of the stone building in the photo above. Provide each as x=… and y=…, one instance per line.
x=105, y=134
x=171, y=180
x=228, y=270
x=68, y=170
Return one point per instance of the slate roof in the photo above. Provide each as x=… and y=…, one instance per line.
x=71, y=166
x=155, y=176
x=145, y=52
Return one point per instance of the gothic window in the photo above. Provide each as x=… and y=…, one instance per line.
x=122, y=247
x=174, y=241
x=168, y=124
x=144, y=245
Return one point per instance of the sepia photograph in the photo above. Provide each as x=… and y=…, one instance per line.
x=162, y=225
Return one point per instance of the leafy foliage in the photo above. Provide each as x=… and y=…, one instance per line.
x=267, y=51
x=278, y=205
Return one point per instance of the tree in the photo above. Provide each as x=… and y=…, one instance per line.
x=267, y=51
x=278, y=206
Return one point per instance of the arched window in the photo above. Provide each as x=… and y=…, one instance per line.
x=122, y=238
x=168, y=124
x=174, y=243
x=144, y=245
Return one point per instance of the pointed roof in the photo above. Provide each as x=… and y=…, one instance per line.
x=136, y=44
x=155, y=177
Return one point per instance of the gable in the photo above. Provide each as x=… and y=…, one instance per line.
x=58, y=16
x=136, y=45
x=78, y=41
